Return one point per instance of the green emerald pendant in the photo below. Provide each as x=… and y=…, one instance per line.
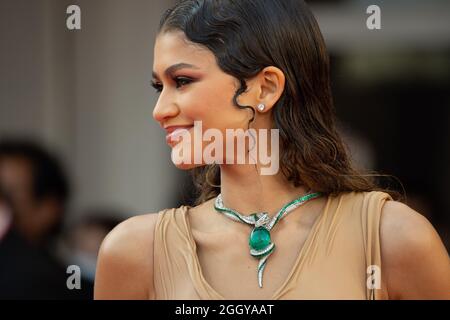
x=259, y=238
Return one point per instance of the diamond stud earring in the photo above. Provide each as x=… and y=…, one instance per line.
x=261, y=107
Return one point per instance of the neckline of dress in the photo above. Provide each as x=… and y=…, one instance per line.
x=301, y=254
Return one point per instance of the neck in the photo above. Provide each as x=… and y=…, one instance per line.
x=243, y=189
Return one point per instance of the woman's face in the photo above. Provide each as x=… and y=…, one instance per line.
x=196, y=90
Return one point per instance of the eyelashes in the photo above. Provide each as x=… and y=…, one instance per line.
x=158, y=87
x=180, y=82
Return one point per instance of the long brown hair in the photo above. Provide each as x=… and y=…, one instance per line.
x=248, y=35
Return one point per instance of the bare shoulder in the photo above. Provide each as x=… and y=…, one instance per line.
x=415, y=261
x=125, y=260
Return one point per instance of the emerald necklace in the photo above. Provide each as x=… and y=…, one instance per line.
x=261, y=246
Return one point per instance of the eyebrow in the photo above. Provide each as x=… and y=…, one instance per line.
x=169, y=71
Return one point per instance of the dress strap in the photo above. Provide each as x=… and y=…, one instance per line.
x=371, y=215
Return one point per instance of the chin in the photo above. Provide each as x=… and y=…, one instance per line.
x=187, y=166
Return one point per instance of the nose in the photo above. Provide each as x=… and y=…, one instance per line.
x=164, y=111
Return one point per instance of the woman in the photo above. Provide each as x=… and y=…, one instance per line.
x=317, y=228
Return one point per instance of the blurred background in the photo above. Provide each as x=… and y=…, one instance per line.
x=80, y=152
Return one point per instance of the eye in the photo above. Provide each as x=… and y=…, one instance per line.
x=180, y=82
x=158, y=87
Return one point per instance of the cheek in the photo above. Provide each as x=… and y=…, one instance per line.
x=212, y=103
x=216, y=110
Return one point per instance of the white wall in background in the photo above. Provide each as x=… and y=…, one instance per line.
x=86, y=95
x=121, y=154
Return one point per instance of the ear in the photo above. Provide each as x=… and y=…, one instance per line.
x=269, y=85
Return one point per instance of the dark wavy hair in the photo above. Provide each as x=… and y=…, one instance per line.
x=246, y=36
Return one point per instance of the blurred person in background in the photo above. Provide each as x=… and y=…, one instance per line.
x=5, y=214
x=38, y=189
x=81, y=242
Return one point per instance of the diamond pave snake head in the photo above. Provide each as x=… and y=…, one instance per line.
x=263, y=219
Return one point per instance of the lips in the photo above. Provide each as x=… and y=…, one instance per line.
x=174, y=132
